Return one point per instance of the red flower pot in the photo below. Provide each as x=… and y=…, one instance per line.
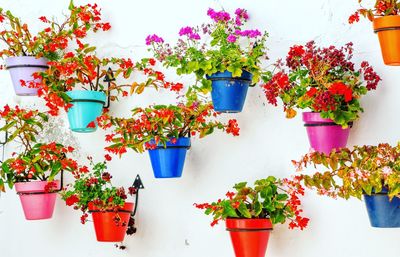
x=249, y=236
x=107, y=228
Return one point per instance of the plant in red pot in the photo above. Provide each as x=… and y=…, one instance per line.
x=33, y=171
x=83, y=84
x=26, y=54
x=251, y=212
x=371, y=172
x=325, y=81
x=165, y=131
x=385, y=18
x=92, y=192
x=224, y=54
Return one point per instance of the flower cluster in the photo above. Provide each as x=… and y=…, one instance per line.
x=92, y=189
x=54, y=37
x=352, y=173
x=161, y=124
x=380, y=8
x=84, y=69
x=270, y=198
x=232, y=48
x=324, y=80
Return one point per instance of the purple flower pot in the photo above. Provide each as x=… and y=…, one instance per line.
x=22, y=68
x=324, y=135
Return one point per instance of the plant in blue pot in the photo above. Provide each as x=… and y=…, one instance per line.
x=369, y=172
x=224, y=55
x=165, y=131
x=84, y=84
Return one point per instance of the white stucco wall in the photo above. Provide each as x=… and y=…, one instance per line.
x=168, y=224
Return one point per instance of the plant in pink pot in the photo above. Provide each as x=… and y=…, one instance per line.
x=34, y=169
x=324, y=81
x=26, y=54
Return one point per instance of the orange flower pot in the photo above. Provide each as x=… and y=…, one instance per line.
x=249, y=236
x=105, y=224
x=388, y=30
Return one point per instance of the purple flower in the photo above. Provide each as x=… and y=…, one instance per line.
x=218, y=16
x=153, y=39
x=241, y=14
x=185, y=31
x=248, y=33
x=231, y=38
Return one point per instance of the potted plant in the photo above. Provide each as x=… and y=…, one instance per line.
x=226, y=65
x=26, y=54
x=385, y=19
x=165, y=131
x=251, y=212
x=92, y=192
x=81, y=81
x=325, y=81
x=371, y=172
x=34, y=169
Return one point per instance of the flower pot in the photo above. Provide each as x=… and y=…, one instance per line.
x=105, y=225
x=249, y=236
x=229, y=93
x=36, y=203
x=22, y=68
x=324, y=135
x=168, y=162
x=87, y=106
x=382, y=212
x=388, y=30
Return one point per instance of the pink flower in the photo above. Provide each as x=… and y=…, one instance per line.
x=188, y=31
x=150, y=39
x=218, y=16
x=231, y=38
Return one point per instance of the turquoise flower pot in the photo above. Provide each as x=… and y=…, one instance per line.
x=87, y=106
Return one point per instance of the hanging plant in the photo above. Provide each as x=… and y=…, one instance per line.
x=34, y=169
x=163, y=129
x=369, y=171
x=384, y=15
x=92, y=192
x=224, y=55
x=251, y=212
x=325, y=81
x=27, y=54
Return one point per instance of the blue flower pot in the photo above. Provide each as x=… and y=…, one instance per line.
x=382, y=212
x=229, y=93
x=87, y=106
x=168, y=162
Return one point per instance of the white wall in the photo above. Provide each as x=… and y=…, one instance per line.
x=168, y=224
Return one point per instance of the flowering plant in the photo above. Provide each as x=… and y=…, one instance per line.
x=380, y=8
x=352, y=173
x=54, y=37
x=94, y=189
x=231, y=48
x=36, y=161
x=160, y=124
x=85, y=69
x=269, y=198
x=324, y=80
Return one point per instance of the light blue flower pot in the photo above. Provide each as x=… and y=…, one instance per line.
x=87, y=106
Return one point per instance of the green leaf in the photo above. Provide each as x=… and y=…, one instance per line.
x=244, y=211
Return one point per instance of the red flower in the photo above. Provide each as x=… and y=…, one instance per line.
x=341, y=89
x=354, y=18
x=177, y=87
x=230, y=195
x=311, y=92
x=71, y=200
x=233, y=127
x=1, y=18
x=106, y=26
x=43, y=18
x=152, y=62
x=91, y=125
x=107, y=157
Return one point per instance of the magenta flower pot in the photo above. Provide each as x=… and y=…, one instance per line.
x=324, y=135
x=36, y=206
x=22, y=68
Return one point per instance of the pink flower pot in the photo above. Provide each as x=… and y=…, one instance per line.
x=36, y=206
x=22, y=68
x=324, y=135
